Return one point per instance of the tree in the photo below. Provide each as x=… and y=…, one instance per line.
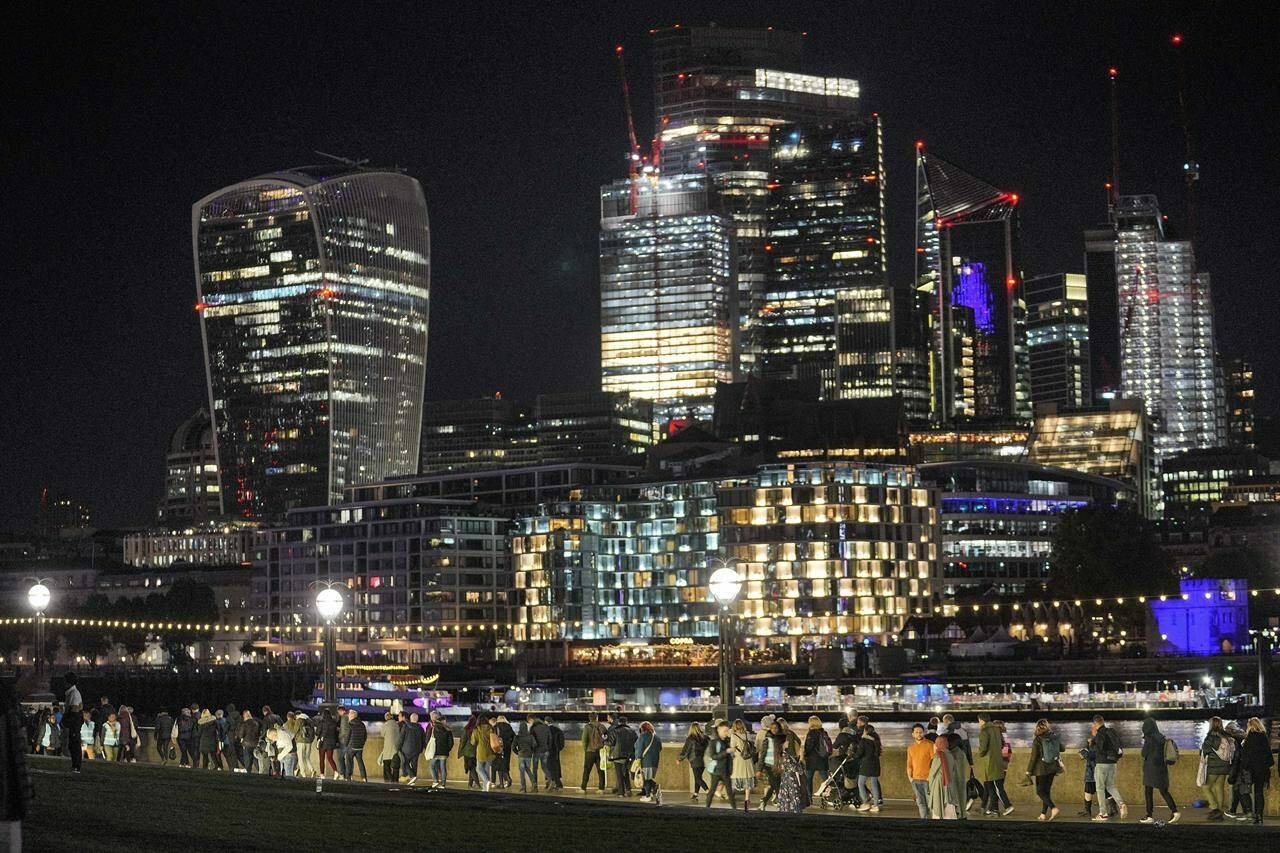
x=1252, y=564
x=187, y=601
x=1103, y=551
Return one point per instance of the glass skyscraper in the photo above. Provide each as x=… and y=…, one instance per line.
x=967, y=274
x=1058, y=339
x=313, y=290
x=668, y=307
x=1167, y=352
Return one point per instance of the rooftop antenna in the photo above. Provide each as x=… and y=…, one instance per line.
x=355, y=164
x=1190, y=168
x=1113, y=188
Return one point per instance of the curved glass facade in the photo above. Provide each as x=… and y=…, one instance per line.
x=313, y=296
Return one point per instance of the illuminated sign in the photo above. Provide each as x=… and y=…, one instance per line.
x=681, y=641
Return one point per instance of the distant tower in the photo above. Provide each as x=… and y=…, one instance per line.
x=313, y=291
x=191, y=484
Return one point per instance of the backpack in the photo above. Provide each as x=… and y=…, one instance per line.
x=495, y=742
x=595, y=740
x=1108, y=747
x=307, y=731
x=1170, y=752
x=1050, y=749
x=749, y=751
x=824, y=744
x=1226, y=748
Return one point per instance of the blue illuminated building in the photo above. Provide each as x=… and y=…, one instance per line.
x=1209, y=617
x=999, y=520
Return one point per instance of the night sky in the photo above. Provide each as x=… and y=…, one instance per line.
x=512, y=121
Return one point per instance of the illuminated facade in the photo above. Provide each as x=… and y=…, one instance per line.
x=968, y=280
x=191, y=483
x=1194, y=480
x=1112, y=441
x=1167, y=353
x=718, y=93
x=1058, y=339
x=313, y=294
x=1007, y=441
x=1240, y=404
x=424, y=580
x=208, y=544
x=668, y=301
x=878, y=350
x=999, y=519
x=830, y=552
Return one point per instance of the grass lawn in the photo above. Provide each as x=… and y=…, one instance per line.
x=130, y=808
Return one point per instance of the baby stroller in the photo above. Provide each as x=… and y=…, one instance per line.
x=833, y=793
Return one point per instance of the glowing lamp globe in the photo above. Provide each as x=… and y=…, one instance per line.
x=725, y=585
x=329, y=603
x=38, y=597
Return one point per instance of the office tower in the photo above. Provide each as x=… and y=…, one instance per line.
x=1110, y=440
x=825, y=230
x=313, y=290
x=967, y=275
x=191, y=487
x=1194, y=480
x=1167, y=354
x=1058, y=339
x=668, y=303
x=879, y=349
x=466, y=434
x=61, y=516
x=591, y=426
x=1103, y=311
x=718, y=93
x=1240, y=389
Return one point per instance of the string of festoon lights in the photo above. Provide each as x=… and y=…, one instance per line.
x=407, y=630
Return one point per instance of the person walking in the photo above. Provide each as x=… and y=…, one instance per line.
x=817, y=752
x=502, y=762
x=249, y=730
x=412, y=741
x=163, y=736
x=948, y=775
x=721, y=757
x=111, y=738
x=525, y=750
x=390, y=755
x=441, y=744
x=467, y=751
x=1256, y=760
x=304, y=744
x=920, y=757
x=1106, y=748
x=1216, y=754
x=186, y=739
x=1155, y=769
x=357, y=735
x=622, y=751
x=344, y=735
x=207, y=741
x=769, y=749
x=743, y=748
x=327, y=733
x=868, y=758
x=648, y=754
x=1239, y=781
x=694, y=754
x=592, y=742
x=1044, y=764
x=128, y=735
x=483, y=742
x=988, y=764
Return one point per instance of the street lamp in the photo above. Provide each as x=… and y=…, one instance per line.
x=329, y=605
x=725, y=585
x=38, y=597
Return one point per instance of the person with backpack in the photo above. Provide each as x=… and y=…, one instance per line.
x=1106, y=753
x=743, y=747
x=817, y=751
x=555, y=745
x=525, y=750
x=1158, y=755
x=1217, y=751
x=920, y=757
x=1044, y=764
x=1257, y=761
x=621, y=752
x=304, y=743
x=440, y=745
x=721, y=757
x=592, y=742
x=694, y=753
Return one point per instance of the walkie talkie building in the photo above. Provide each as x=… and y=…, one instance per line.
x=313, y=289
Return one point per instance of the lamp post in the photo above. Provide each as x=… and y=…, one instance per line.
x=329, y=605
x=38, y=597
x=725, y=585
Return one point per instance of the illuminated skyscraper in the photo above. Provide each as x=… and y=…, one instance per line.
x=668, y=306
x=1167, y=354
x=313, y=291
x=1058, y=339
x=718, y=93
x=967, y=276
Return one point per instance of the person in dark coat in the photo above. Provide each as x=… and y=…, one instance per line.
x=231, y=737
x=721, y=756
x=327, y=740
x=1256, y=760
x=207, y=738
x=412, y=741
x=1155, y=770
x=555, y=744
x=541, y=750
x=357, y=734
x=502, y=762
x=249, y=731
x=817, y=751
x=868, y=761
x=163, y=735
x=187, y=738
x=621, y=751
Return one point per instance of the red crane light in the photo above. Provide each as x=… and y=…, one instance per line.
x=200, y=306
x=1177, y=38
x=1112, y=72
x=919, y=144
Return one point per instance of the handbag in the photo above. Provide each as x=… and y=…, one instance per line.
x=949, y=812
x=1202, y=772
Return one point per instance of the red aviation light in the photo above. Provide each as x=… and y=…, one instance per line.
x=870, y=240
x=1112, y=72
x=327, y=293
x=1013, y=198
x=618, y=49
x=919, y=144
x=200, y=306
x=1176, y=39
x=1011, y=281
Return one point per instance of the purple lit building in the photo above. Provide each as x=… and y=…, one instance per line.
x=1209, y=617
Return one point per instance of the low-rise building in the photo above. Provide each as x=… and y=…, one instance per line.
x=227, y=543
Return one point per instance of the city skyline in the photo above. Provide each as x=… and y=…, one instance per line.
x=113, y=457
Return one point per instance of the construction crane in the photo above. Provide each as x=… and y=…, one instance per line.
x=1113, y=188
x=1190, y=168
x=638, y=166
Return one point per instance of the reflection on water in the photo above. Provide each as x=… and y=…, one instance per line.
x=1187, y=734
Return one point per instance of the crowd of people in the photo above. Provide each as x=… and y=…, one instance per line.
x=951, y=772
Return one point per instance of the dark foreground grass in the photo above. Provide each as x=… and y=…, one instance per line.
x=134, y=808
